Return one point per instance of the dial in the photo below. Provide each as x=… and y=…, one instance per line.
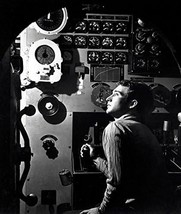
x=45, y=54
x=155, y=36
x=99, y=95
x=94, y=27
x=140, y=48
x=121, y=27
x=140, y=63
x=53, y=21
x=93, y=57
x=107, y=27
x=80, y=41
x=66, y=40
x=121, y=43
x=81, y=26
x=153, y=63
x=107, y=42
x=94, y=42
x=155, y=49
x=67, y=56
x=140, y=36
x=120, y=57
x=107, y=57
x=161, y=94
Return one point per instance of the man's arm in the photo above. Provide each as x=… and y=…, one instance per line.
x=112, y=149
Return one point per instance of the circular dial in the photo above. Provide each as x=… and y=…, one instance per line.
x=80, y=41
x=155, y=49
x=120, y=57
x=141, y=36
x=121, y=27
x=67, y=56
x=140, y=48
x=107, y=27
x=81, y=26
x=107, y=42
x=107, y=57
x=154, y=63
x=94, y=27
x=99, y=95
x=93, y=57
x=52, y=20
x=140, y=63
x=121, y=42
x=93, y=42
x=66, y=40
x=161, y=95
x=45, y=54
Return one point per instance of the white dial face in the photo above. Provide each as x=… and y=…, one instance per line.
x=45, y=54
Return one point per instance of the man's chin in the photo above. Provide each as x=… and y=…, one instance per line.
x=108, y=111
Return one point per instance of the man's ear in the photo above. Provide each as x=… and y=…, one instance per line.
x=133, y=104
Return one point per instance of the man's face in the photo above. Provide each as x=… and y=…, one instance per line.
x=117, y=104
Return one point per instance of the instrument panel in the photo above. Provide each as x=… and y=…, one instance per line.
x=72, y=69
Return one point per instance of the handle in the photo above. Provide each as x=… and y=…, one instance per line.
x=24, y=155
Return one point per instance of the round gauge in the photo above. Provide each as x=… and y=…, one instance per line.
x=94, y=27
x=121, y=43
x=107, y=42
x=140, y=63
x=53, y=22
x=155, y=36
x=120, y=57
x=45, y=54
x=121, y=27
x=80, y=41
x=107, y=27
x=161, y=95
x=107, y=57
x=66, y=40
x=81, y=26
x=140, y=36
x=99, y=95
x=67, y=56
x=93, y=42
x=140, y=48
x=93, y=57
x=155, y=49
x=153, y=63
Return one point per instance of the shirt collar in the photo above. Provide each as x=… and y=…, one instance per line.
x=129, y=117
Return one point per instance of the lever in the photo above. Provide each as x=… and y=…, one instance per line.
x=24, y=155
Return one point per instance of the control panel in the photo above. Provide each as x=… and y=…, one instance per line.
x=69, y=69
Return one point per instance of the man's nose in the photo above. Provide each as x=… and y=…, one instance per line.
x=109, y=98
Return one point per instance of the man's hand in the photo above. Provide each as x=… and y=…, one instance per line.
x=86, y=149
x=91, y=211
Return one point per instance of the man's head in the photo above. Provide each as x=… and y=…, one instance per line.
x=130, y=97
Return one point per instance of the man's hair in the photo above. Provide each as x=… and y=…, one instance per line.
x=142, y=93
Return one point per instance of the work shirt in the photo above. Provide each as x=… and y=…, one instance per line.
x=133, y=165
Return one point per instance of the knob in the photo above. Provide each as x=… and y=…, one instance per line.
x=31, y=199
x=179, y=117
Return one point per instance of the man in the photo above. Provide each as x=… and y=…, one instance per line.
x=137, y=179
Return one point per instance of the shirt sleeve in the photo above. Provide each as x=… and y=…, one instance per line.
x=101, y=165
x=112, y=149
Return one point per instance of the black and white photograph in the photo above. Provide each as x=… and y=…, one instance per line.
x=90, y=107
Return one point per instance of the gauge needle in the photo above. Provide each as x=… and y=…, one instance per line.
x=48, y=16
